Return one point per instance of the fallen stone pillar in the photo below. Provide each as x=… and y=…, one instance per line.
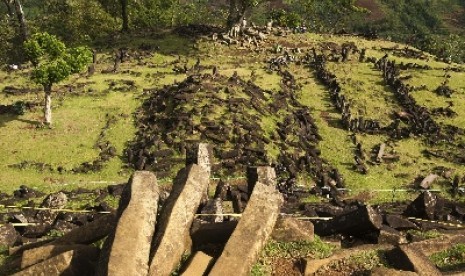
x=198, y=265
x=69, y=263
x=173, y=231
x=407, y=257
x=37, y=255
x=89, y=233
x=251, y=234
x=127, y=249
x=363, y=220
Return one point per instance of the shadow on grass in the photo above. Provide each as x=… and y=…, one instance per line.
x=31, y=122
x=6, y=118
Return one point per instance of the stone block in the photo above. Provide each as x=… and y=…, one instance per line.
x=70, y=263
x=289, y=229
x=39, y=254
x=198, y=265
x=251, y=234
x=127, y=249
x=172, y=238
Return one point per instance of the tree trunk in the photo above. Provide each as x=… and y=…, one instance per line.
x=237, y=9
x=232, y=16
x=21, y=19
x=8, y=7
x=48, y=105
x=124, y=16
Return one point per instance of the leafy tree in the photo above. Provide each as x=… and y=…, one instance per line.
x=53, y=62
x=326, y=15
x=238, y=8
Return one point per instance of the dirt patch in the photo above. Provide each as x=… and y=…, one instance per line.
x=290, y=267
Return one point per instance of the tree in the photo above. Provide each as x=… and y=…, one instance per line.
x=238, y=8
x=53, y=62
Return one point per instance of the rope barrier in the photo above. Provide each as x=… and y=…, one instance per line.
x=52, y=209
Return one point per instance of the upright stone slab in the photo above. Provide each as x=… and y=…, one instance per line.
x=173, y=236
x=201, y=155
x=251, y=234
x=127, y=249
x=262, y=174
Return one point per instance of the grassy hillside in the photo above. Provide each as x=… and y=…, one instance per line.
x=104, y=108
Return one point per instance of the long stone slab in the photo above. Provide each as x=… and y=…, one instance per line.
x=127, y=249
x=90, y=232
x=37, y=255
x=172, y=238
x=251, y=234
x=407, y=257
x=70, y=263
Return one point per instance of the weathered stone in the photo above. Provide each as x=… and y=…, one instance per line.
x=380, y=154
x=400, y=223
x=251, y=233
x=214, y=208
x=262, y=174
x=130, y=241
x=427, y=181
x=357, y=223
x=69, y=263
x=431, y=246
x=39, y=254
x=406, y=257
x=172, y=237
x=89, y=233
x=198, y=265
x=289, y=229
x=8, y=235
x=383, y=271
x=201, y=155
x=423, y=206
x=390, y=236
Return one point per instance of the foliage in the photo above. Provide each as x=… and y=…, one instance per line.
x=450, y=259
x=425, y=234
x=284, y=18
x=316, y=248
x=326, y=15
x=76, y=21
x=52, y=60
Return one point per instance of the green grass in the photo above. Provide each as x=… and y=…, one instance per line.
x=362, y=263
x=80, y=116
x=451, y=259
x=78, y=119
x=316, y=249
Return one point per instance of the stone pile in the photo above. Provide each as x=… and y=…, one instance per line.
x=222, y=111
